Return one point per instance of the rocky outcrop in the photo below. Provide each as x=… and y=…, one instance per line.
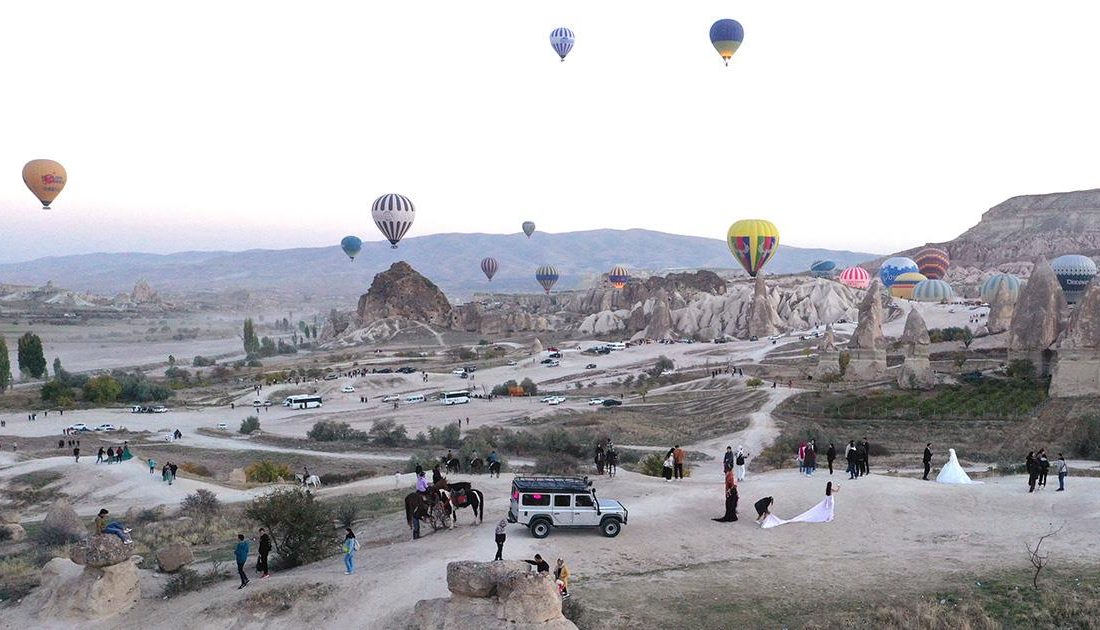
x=916, y=371
x=494, y=595
x=71, y=594
x=99, y=551
x=1077, y=370
x=174, y=557
x=763, y=318
x=1001, y=309
x=402, y=293
x=144, y=294
x=1037, y=319
x=866, y=348
x=62, y=523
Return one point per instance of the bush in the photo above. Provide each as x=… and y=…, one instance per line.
x=449, y=436
x=388, y=433
x=201, y=361
x=558, y=464
x=505, y=388
x=1088, y=440
x=754, y=382
x=299, y=525
x=529, y=387
x=267, y=472
x=201, y=502
x=250, y=424
x=1021, y=368
x=102, y=389
x=346, y=511
x=332, y=479
x=188, y=580
x=196, y=469
x=55, y=391
x=663, y=363
x=331, y=431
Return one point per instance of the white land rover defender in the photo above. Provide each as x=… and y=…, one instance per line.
x=544, y=502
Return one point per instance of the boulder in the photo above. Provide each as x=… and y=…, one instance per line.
x=464, y=613
x=10, y=517
x=237, y=475
x=480, y=579
x=915, y=335
x=62, y=522
x=763, y=318
x=528, y=598
x=174, y=557
x=1001, y=309
x=15, y=532
x=101, y=550
x=68, y=594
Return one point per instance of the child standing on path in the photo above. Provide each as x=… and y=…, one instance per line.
x=351, y=545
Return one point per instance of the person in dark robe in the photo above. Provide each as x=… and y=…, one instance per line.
x=866, y=457
x=831, y=456
x=1044, y=467
x=731, y=499
x=728, y=459
x=927, y=460
x=850, y=455
x=1032, y=471
x=763, y=508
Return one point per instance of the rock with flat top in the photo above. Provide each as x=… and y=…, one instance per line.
x=174, y=557
x=69, y=594
x=101, y=550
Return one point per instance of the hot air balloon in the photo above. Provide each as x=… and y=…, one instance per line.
x=894, y=267
x=618, y=277
x=547, y=276
x=1074, y=272
x=855, y=277
x=993, y=284
x=932, y=262
x=932, y=290
x=46, y=179
x=753, y=242
x=562, y=40
x=489, y=267
x=726, y=35
x=903, y=284
x=393, y=214
x=351, y=245
x=528, y=228
x=822, y=268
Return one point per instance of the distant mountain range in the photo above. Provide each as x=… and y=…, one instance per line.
x=449, y=260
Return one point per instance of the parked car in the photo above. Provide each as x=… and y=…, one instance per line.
x=555, y=355
x=545, y=502
x=384, y=371
x=406, y=370
x=160, y=409
x=595, y=401
x=557, y=401
x=331, y=377
x=347, y=389
x=546, y=361
x=223, y=426
x=470, y=368
x=611, y=402
x=105, y=427
x=553, y=363
x=390, y=398
x=79, y=426
x=590, y=366
x=667, y=372
x=511, y=363
x=458, y=371
x=546, y=399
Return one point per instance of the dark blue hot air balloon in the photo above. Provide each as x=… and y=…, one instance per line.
x=351, y=245
x=726, y=35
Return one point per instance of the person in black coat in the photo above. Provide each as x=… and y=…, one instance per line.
x=1032, y=470
x=831, y=455
x=1044, y=467
x=927, y=460
x=262, y=552
x=866, y=449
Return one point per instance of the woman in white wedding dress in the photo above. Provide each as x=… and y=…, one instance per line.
x=953, y=472
x=820, y=513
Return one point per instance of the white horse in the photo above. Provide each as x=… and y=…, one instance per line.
x=313, y=481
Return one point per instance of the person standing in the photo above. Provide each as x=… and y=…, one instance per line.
x=240, y=552
x=801, y=457
x=831, y=456
x=666, y=468
x=499, y=537
x=809, y=461
x=262, y=551
x=927, y=460
x=727, y=460
x=1032, y=471
x=351, y=545
x=1044, y=468
x=866, y=457
x=1062, y=470
x=561, y=576
x=172, y=467
x=76, y=453
x=678, y=462
x=152, y=465
x=850, y=456
x=739, y=461
x=110, y=455
x=731, y=499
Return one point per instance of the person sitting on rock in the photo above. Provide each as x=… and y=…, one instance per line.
x=540, y=565
x=103, y=525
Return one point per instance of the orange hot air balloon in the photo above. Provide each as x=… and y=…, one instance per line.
x=46, y=179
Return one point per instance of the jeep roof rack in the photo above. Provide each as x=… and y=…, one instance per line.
x=551, y=483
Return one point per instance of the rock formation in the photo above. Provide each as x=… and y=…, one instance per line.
x=1077, y=371
x=101, y=550
x=62, y=523
x=144, y=294
x=1001, y=310
x=10, y=521
x=828, y=357
x=174, y=557
x=867, y=349
x=494, y=595
x=763, y=318
x=916, y=372
x=400, y=292
x=1037, y=319
x=106, y=586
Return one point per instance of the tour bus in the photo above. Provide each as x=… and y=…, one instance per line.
x=454, y=398
x=305, y=401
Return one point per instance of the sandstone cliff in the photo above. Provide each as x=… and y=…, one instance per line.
x=402, y=293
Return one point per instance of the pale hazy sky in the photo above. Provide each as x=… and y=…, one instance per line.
x=864, y=125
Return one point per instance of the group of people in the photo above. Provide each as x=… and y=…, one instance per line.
x=1038, y=466
x=606, y=458
x=167, y=472
x=561, y=573
x=673, y=466
x=858, y=457
x=735, y=461
x=111, y=454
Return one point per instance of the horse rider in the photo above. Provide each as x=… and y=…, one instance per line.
x=492, y=458
x=422, y=486
x=305, y=475
x=437, y=476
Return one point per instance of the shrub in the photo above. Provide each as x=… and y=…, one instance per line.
x=505, y=388
x=529, y=387
x=558, y=464
x=754, y=382
x=332, y=479
x=449, y=436
x=1021, y=368
x=346, y=512
x=188, y=580
x=250, y=424
x=663, y=363
x=102, y=389
x=201, y=361
x=267, y=472
x=55, y=390
x=388, y=433
x=331, y=431
x=196, y=469
x=201, y=502
x=299, y=525
x=843, y=360
x=1088, y=440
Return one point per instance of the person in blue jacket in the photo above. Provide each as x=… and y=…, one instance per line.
x=241, y=554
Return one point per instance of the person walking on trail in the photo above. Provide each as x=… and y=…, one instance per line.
x=262, y=551
x=561, y=576
x=540, y=565
x=351, y=545
x=1062, y=469
x=727, y=460
x=110, y=455
x=240, y=552
x=831, y=456
x=172, y=468
x=739, y=463
x=500, y=536
x=927, y=460
x=731, y=499
x=678, y=462
x=76, y=453
x=100, y=455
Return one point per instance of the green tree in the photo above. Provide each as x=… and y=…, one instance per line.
x=5, y=366
x=102, y=389
x=31, y=359
x=250, y=424
x=529, y=387
x=300, y=526
x=251, y=341
x=967, y=337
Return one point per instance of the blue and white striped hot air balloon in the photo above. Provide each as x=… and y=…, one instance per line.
x=933, y=290
x=547, y=277
x=562, y=40
x=393, y=214
x=993, y=284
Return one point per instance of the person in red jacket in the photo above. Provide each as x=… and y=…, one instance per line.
x=731, y=499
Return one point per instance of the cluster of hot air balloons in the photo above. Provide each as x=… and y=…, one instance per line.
x=725, y=35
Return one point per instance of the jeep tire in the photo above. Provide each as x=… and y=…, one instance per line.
x=610, y=527
x=540, y=528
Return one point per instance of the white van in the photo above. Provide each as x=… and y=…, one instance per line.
x=616, y=345
x=414, y=398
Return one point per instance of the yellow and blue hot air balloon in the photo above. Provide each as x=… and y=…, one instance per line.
x=904, y=284
x=351, y=245
x=753, y=242
x=726, y=35
x=547, y=277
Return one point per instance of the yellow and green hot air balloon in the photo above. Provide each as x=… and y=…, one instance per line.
x=753, y=242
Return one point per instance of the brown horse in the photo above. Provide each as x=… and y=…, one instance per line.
x=431, y=506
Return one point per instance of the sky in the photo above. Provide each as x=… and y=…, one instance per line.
x=864, y=125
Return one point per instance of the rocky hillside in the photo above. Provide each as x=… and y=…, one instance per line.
x=402, y=293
